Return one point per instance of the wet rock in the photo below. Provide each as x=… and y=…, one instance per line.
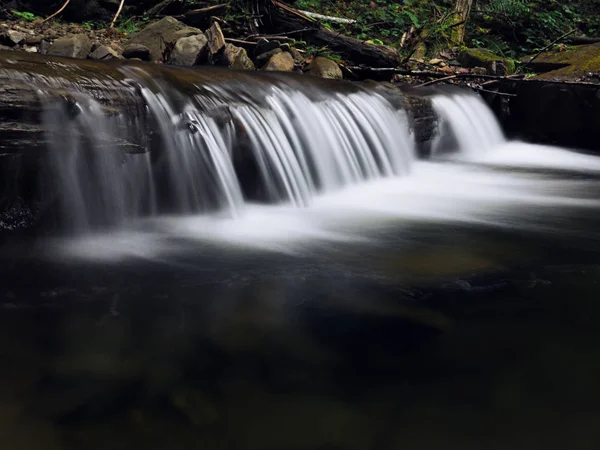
x=190, y=51
x=104, y=53
x=262, y=59
x=51, y=34
x=494, y=64
x=187, y=32
x=137, y=51
x=12, y=37
x=157, y=35
x=76, y=46
x=31, y=49
x=216, y=40
x=4, y=47
x=236, y=58
x=281, y=62
x=324, y=68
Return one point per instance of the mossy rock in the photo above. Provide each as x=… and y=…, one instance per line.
x=568, y=64
x=494, y=64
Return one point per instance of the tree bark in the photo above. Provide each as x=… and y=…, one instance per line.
x=462, y=11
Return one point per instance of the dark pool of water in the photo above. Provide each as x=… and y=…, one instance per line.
x=463, y=338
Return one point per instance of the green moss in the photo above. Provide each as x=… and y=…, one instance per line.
x=477, y=57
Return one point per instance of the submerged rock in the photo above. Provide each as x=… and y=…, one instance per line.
x=157, y=35
x=76, y=46
x=281, y=62
x=324, y=68
x=494, y=64
x=190, y=50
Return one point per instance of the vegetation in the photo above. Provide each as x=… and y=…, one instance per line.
x=510, y=28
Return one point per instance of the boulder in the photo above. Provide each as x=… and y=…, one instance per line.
x=76, y=46
x=216, y=40
x=570, y=64
x=137, y=51
x=104, y=53
x=281, y=62
x=156, y=35
x=34, y=40
x=494, y=64
x=265, y=46
x=12, y=37
x=190, y=51
x=236, y=58
x=324, y=68
x=263, y=58
x=187, y=32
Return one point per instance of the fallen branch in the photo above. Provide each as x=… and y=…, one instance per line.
x=439, y=80
x=204, y=11
x=568, y=33
x=57, y=12
x=112, y=24
x=328, y=18
x=279, y=16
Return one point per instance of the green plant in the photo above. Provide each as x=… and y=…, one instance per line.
x=24, y=15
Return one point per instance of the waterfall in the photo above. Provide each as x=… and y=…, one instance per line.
x=218, y=146
x=468, y=120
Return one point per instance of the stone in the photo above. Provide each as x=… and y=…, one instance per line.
x=571, y=64
x=298, y=58
x=44, y=47
x=265, y=46
x=190, y=51
x=436, y=61
x=30, y=49
x=262, y=59
x=216, y=40
x=236, y=58
x=155, y=36
x=137, y=51
x=187, y=32
x=104, y=53
x=34, y=40
x=51, y=33
x=281, y=62
x=12, y=37
x=494, y=64
x=324, y=68
x=76, y=46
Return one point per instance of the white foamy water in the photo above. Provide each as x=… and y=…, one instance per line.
x=341, y=175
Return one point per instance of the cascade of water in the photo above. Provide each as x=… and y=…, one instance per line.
x=470, y=121
x=300, y=143
x=99, y=183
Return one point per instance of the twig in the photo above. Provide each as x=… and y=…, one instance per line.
x=328, y=18
x=57, y=12
x=504, y=94
x=568, y=33
x=112, y=24
x=439, y=80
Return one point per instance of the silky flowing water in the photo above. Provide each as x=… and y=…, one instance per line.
x=374, y=301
